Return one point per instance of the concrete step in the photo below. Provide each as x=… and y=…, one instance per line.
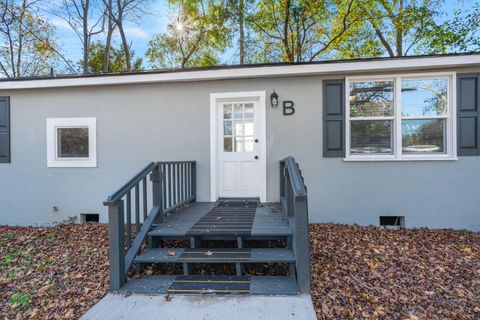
x=218, y=285
x=220, y=255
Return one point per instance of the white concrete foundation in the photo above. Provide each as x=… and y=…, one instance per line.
x=191, y=307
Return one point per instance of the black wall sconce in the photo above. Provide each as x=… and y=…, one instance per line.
x=274, y=99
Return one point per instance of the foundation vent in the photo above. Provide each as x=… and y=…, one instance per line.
x=89, y=217
x=392, y=221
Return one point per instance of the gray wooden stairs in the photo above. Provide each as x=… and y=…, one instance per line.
x=230, y=236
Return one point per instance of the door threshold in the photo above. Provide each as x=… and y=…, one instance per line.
x=226, y=199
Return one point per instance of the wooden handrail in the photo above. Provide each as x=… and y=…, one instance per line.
x=121, y=192
x=293, y=194
x=172, y=184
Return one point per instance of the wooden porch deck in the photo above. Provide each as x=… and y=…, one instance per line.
x=269, y=221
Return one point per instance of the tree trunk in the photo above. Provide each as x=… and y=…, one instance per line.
x=20, y=38
x=241, y=22
x=86, y=35
x=125, y=45
x=286, y=25
x=399, y=34
x=108, y=42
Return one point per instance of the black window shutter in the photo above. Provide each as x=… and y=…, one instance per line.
x=334, y=118
x=4, y=130
x=468, y=120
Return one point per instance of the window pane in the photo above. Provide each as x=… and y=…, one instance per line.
x=72, y=142
x=239, y=144
x=249, y=111
x=370, y=137
x=249, y=144
x=238, y=112
x=228, y=144
x=227, y=128
x=423, y=136
x=371, y=99
x=238, y=128
x=424, y=97
x=227, y=111
x=249, y=128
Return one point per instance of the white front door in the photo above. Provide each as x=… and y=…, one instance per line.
x=240, y=146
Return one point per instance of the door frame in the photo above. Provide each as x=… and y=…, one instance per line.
x=215, y=98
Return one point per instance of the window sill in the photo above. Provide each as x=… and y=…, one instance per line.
x=400, y=159
x=72, y=164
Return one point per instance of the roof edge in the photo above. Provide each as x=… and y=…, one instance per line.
x=339, y=67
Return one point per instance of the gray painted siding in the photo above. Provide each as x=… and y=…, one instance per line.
x=140, y=123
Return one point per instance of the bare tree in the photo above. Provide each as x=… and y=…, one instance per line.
x=110, y=28
x=121, y=11
x=26, y=45
x=79, y=15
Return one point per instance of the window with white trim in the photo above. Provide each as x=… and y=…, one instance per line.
x=72, y=142
x=405, y=117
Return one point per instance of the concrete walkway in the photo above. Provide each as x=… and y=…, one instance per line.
x=191, y=307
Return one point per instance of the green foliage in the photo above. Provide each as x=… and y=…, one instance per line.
x=301, y=30
x=22, y=300
x=403, y=27
x=117, y=62
x=195, y=37
x=460, y=34
x=7, y=259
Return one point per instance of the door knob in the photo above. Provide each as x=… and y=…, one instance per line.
x=256, y=140
x=256, y=157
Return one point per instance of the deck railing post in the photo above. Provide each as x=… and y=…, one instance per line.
x=301, y=244
x=157, y=198
x=116, y=245
x=194, y=181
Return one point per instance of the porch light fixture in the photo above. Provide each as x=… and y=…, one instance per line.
x=274, y=99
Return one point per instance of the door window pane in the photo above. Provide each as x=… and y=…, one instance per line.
x=238, y=125
x=72, y=143
x=248, y=144
x=371, y=137
x=423, y=136
x=249, y=111
x=371, y=99
x=227, y=111
x=228, y=144
x=248, y=129
x=238, y=111
x=425, y=97
x=239, y=144
x=239, y=133
x=227, y=128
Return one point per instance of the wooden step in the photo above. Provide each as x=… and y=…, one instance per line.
x=218, y=285
x=260, y=231
x=220, y=255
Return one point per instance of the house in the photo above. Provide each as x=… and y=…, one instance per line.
x=391, y=141
x=229, y=153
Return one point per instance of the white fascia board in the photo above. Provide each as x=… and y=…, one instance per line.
x=340, y=68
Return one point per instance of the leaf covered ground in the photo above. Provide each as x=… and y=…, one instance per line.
x=358, y=272
x=52, y=273
x=372, y=273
